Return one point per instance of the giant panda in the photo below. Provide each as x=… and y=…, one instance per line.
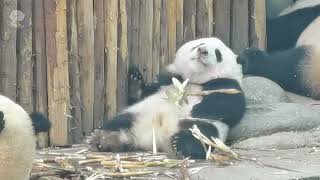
x=208, y=64
x=18, y=132
x=293, y=50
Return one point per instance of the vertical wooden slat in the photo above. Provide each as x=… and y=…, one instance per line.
x=8, y=58
x=204, y=19
x=74, y=73
x=156, y=39
x=99, y=86
x=134, y=46
x=145, y=38
x=86, y=55
x=179, y=22
x=111, y=17
x=163, y=35
x=257, y=23
x=57, y=70
x=129, y=28
x=222, y=17
x=122, y=89
x=240, y=25
x=40, y=65
x=172, y=27
x=24, y=56
x=189, y=21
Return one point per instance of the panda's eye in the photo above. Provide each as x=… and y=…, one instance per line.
x=203, y=51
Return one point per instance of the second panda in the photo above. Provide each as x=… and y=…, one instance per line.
x=293, y=51
x=209, y=65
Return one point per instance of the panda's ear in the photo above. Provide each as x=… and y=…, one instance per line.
x=172, y=68
x=243, y=62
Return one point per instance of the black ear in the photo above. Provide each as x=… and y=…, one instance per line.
x=244, y=62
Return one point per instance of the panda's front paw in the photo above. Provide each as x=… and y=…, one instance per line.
x=185, y=145
x=93, y=141
x=135, y=84
x=2, y=122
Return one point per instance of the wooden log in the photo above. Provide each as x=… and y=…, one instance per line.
x=189, y=21
x=257, y=23
x=111, y=17
x=204, y=19
x=99, y=86
x=172, y=29
x=135, y=23
x=222, y=17
x=74, y=73
x=122, y=88
x=86, y=55
x=24, y=56
x=179, y=22
x=163, y=35
x=40, y=65
x=156, y=39
x=57, y=70
x=8, y=58
x=240, y=25
x=129, y=28
x=145, y=38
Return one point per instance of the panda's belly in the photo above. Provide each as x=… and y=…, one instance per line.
x=165, y=116
x=164, y=119
x=16, y=156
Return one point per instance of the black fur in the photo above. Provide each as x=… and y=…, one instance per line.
x=136, y=84
x=2, y=121
x=121, y=121
x=221, y=106
x=284, y=31
x=186, y=145
x=40, y=122
x=218, y=55
x=283, y=67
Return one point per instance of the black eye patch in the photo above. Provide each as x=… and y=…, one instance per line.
x=218, y=55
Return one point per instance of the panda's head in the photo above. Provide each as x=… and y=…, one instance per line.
x=16, y=120
x=205, y=59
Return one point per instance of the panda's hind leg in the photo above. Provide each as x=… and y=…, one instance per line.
x=1, y=121
x=186, y=145
x=114, y=135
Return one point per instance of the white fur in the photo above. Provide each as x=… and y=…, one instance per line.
x=17, y=142
x=188, y=66
x=300, y=4
x=166, y=116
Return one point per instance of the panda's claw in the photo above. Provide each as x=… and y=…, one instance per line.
x=135, y=74
x=185, y=145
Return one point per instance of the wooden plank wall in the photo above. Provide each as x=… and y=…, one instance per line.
x=69, y=58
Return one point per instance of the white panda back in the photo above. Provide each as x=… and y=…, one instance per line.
x=17, y=142
x=311, y=35
x=300, y=4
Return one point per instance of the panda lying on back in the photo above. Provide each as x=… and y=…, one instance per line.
x=209, y=65
x=17, y=139
x=293, y=57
